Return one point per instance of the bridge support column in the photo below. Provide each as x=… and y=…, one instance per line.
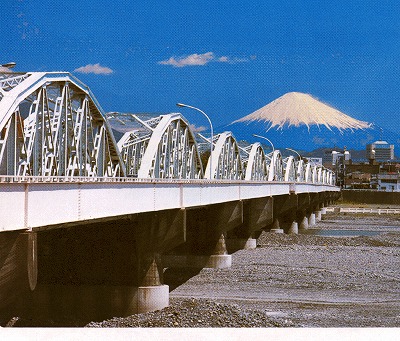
x=257, y=214
x=30, y=245
x=152, y=294
x=311, y=220
x=317, y=215
x=294, y=228
x=220, y=259
x=304, y=223
x=241, y=243
x=323, y=207
x=276, y=227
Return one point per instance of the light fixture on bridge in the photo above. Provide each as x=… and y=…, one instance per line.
x=181, y=105
x=9, y=65
x=262, y=137
x=292, y=150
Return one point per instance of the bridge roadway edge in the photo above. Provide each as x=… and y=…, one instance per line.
x=171, y=229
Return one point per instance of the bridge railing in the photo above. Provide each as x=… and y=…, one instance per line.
x=369, y=210
x=63, y=179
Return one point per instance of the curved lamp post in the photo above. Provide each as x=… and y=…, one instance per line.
x=262, y=137
x=211, y=126
x=292, y=150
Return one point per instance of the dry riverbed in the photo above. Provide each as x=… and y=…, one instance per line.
x=293, y=281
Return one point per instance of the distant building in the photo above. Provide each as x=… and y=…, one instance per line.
x=314, y=161
x=380, y=151
x=338, y=157
x=389, y=182
x=332, y=157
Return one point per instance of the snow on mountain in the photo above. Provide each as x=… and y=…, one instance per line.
x=296, y=108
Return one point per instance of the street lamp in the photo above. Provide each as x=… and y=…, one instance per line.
x=292, y=150
x=262, y=137
x=211, y=126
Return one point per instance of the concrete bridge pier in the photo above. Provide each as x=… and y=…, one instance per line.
x=311, y=220
x=303, y=225
x=294, y=228
x=285, y=208
x=303, y=211
x=18, y=270
x=205, y=239
x=220, y=258
x=318, y=215
x=289, y=223
x=152, y=294
x=235, y=244
x=276, y=228
x=257, y=214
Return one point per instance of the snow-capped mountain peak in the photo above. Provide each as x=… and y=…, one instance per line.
x=296, y=109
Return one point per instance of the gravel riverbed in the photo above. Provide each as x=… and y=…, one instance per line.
x=292, y=281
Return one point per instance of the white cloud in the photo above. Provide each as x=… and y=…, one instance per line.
x=94, y=68
x=200, y=59
x=191, y=60
x=197, y=129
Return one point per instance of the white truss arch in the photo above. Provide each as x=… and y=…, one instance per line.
x=290, y=169
x=226, y=160
x=275, y=167
x=324, y=174
x=314, y=175
x=300, y=171
x=308, y=176
x=319, y=174
x=52, y=125
x=256, y=162
x=163, y=147
x=330, y=178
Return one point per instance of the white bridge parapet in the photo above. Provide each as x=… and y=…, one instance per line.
x=39, y=202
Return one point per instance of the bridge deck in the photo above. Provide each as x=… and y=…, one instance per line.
x=33, y=202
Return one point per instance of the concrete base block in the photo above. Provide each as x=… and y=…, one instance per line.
x=219, y=262
x=194, y=261
x=311, y=220
x=241, y=244
x=276, y=230
x=304, y=224
x=61, y=302
x=294, y=228
x=318, y=216
x=152, y=298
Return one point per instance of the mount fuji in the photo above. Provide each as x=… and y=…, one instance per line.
x=302, y=122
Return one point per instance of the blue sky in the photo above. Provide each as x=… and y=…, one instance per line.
x=228, y=58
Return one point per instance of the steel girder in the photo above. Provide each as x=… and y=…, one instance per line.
x=51, y=125
x=163, y=148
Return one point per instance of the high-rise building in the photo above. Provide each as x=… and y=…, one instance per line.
x=380, y=151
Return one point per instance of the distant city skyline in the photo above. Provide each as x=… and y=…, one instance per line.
x=227, y=58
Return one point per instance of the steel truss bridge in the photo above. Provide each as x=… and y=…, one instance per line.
x=52, y=126
x=61, y=165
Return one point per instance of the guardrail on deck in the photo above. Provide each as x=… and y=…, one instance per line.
x=363, y=210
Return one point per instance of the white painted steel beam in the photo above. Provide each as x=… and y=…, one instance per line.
x=35, y=204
